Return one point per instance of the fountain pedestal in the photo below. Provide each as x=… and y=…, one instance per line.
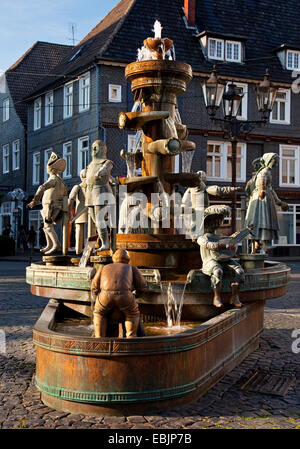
x=252, y=261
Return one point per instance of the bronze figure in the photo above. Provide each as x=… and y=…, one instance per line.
x=53, y=195
x=116, y=285
x=98, y=190
x=217, y=253
x=262, y=203
x=77, y=195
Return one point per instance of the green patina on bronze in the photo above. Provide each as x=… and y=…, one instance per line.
x=261, y=212
x=132, y=396
x=273, y=276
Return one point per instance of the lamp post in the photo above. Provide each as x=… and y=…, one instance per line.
x=214, y=93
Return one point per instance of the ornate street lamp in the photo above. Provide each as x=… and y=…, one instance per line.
x=265, y=96
x=232, y=99
x=213, y=90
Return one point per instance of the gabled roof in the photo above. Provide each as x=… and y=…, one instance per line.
x=25, y=74
x=91, y=47
x=265, y=24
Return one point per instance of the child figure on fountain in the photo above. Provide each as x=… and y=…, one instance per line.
x=217, y=254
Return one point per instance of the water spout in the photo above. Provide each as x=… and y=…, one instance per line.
x=170, y=54
x=174, y=302
x=187, y=159
x=157, y=29
x=131, y=165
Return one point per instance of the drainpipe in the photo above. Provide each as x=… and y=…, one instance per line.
x=99, y=124
x=25, y=214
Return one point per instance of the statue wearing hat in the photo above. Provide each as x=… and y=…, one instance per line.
x=54, y=197
x=77, y=195
x=197, y=198
x=261, y=212
x=98, y=191
x=114, y=284
x=218, y=252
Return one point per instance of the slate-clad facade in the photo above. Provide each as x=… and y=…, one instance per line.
x=18, y=81
x=241, y=37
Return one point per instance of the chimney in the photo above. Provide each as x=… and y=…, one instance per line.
x=190, y=11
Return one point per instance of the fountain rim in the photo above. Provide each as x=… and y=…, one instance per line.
x=153, y=65
x=41, y=329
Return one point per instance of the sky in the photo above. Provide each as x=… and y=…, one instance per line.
x=25, y=22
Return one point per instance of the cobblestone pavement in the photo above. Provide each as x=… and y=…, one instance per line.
x=224, y=406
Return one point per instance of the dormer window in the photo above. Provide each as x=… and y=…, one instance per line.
x=233, y=51
x=215, y=49
x=289, y=57
x=293, y=60
x=224, y=50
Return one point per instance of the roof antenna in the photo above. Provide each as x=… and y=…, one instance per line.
x=72, y=30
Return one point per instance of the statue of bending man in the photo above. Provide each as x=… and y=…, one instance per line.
x=114, y=284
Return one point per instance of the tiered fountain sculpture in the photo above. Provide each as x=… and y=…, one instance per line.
x=168, y=363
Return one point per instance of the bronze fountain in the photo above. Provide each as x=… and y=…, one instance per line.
x=79, y=373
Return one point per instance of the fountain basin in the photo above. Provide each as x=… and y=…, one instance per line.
x=147, y=374
x=157, y=74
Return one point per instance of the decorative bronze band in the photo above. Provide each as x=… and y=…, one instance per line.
x=183, y=342
x=253, y=282
x=145, y=396
x=153, y=245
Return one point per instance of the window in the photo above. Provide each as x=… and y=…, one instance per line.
x=213, y=160
x=115, y=93
x=16, y=155
x=84, y=92
x=233, y=51
x=5, y=110
x=224, y=50
x=7, y=208
x=37, y=119
x=36, y=168
x=218, y=161
x=289, y=226
x=243, y=109
x=5, y=158
x=82, y=48
x=67, y=155
x=289, y=168
x=240, y=162
x=134, y=142
x=228, y=220
x=83, y=153
x=292, y=60
x=49, y=108
x=6, y=216
x=68, y=100
x=35, y=220
x=47, y=154
x=215, y=48
x=282, y=106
